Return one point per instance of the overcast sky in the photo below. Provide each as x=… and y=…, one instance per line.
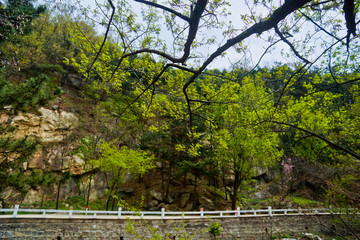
x=256, y=45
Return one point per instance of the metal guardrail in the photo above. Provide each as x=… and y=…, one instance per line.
x=18, y=212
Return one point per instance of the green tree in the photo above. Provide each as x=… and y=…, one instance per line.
x=16, y=17
x=117, y=161
x=245, y=141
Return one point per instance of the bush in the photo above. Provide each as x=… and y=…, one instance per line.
x=215, y=229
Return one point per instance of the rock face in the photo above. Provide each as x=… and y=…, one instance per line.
x=54, y=153
x=49, y=127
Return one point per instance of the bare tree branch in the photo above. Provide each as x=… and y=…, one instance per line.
x=146, y=50
x=349, y=10
x=333, y=145
x=320, y=27
x=164, y=8
x=279, y=14
x=194, y=25
x=303, y=67
x=105, y=36
x=152, y=84
x=142, y=93
x=290, y=45
x=320, y=3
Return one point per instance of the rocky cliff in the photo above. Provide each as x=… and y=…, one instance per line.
x=52, y=128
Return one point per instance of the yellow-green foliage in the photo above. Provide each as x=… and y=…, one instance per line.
x=114, y=158
x=47, y=43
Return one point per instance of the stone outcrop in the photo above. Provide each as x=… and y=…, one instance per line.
x=48, y=127
x=51, y=128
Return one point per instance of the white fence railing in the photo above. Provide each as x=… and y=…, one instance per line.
x=18, y=212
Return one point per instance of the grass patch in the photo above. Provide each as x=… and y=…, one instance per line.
x=303, y=202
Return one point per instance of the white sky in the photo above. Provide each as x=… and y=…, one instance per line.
x=256, y=45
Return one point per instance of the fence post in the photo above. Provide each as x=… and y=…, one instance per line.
x=70, y=212
x=86, y=209
x=202, y=212
x=221, y=214
x=162, y=213
x=270, y=212
x=119, y=212
x=44, y=213
x=238, y=211
x=16, y=209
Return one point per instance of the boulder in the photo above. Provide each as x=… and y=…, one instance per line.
x=263, y=194
x=32, y=197
x=75, y=80
x=152, y=203
x=308, y=236
x=12, y=195
x=207, y=203
x=156, y=195
x=172, y=197
x=184, y=199
x=259, y=171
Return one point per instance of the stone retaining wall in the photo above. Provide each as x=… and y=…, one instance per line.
x=249, y=227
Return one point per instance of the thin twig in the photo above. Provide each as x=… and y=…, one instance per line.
x=290, y=45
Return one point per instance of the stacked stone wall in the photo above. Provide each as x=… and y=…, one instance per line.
x=249, y=227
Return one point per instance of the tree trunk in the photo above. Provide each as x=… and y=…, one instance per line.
x=107, y=202
x=58, y=195
x=195, y=196
x=168, y=183
x=184, y=182
x=113, y=187
x=89, y=189
x=113, y=204
x=235, y=190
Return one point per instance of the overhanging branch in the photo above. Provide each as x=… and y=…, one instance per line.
x=105, y=37
x=279, y=14
x=334, y=145
x=290, y=45
x=153, y=4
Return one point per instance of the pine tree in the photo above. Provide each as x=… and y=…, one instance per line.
x=16, y=17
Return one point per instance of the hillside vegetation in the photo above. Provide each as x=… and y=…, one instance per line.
x=80, y=126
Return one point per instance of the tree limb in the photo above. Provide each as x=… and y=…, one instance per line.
x=142, y=93
x=105, y=36
x=320, y=27
x=183, y=17
x=290, y=45
x=334, y=145
x=279, y=14
x=147, y=50
x=193, y=28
